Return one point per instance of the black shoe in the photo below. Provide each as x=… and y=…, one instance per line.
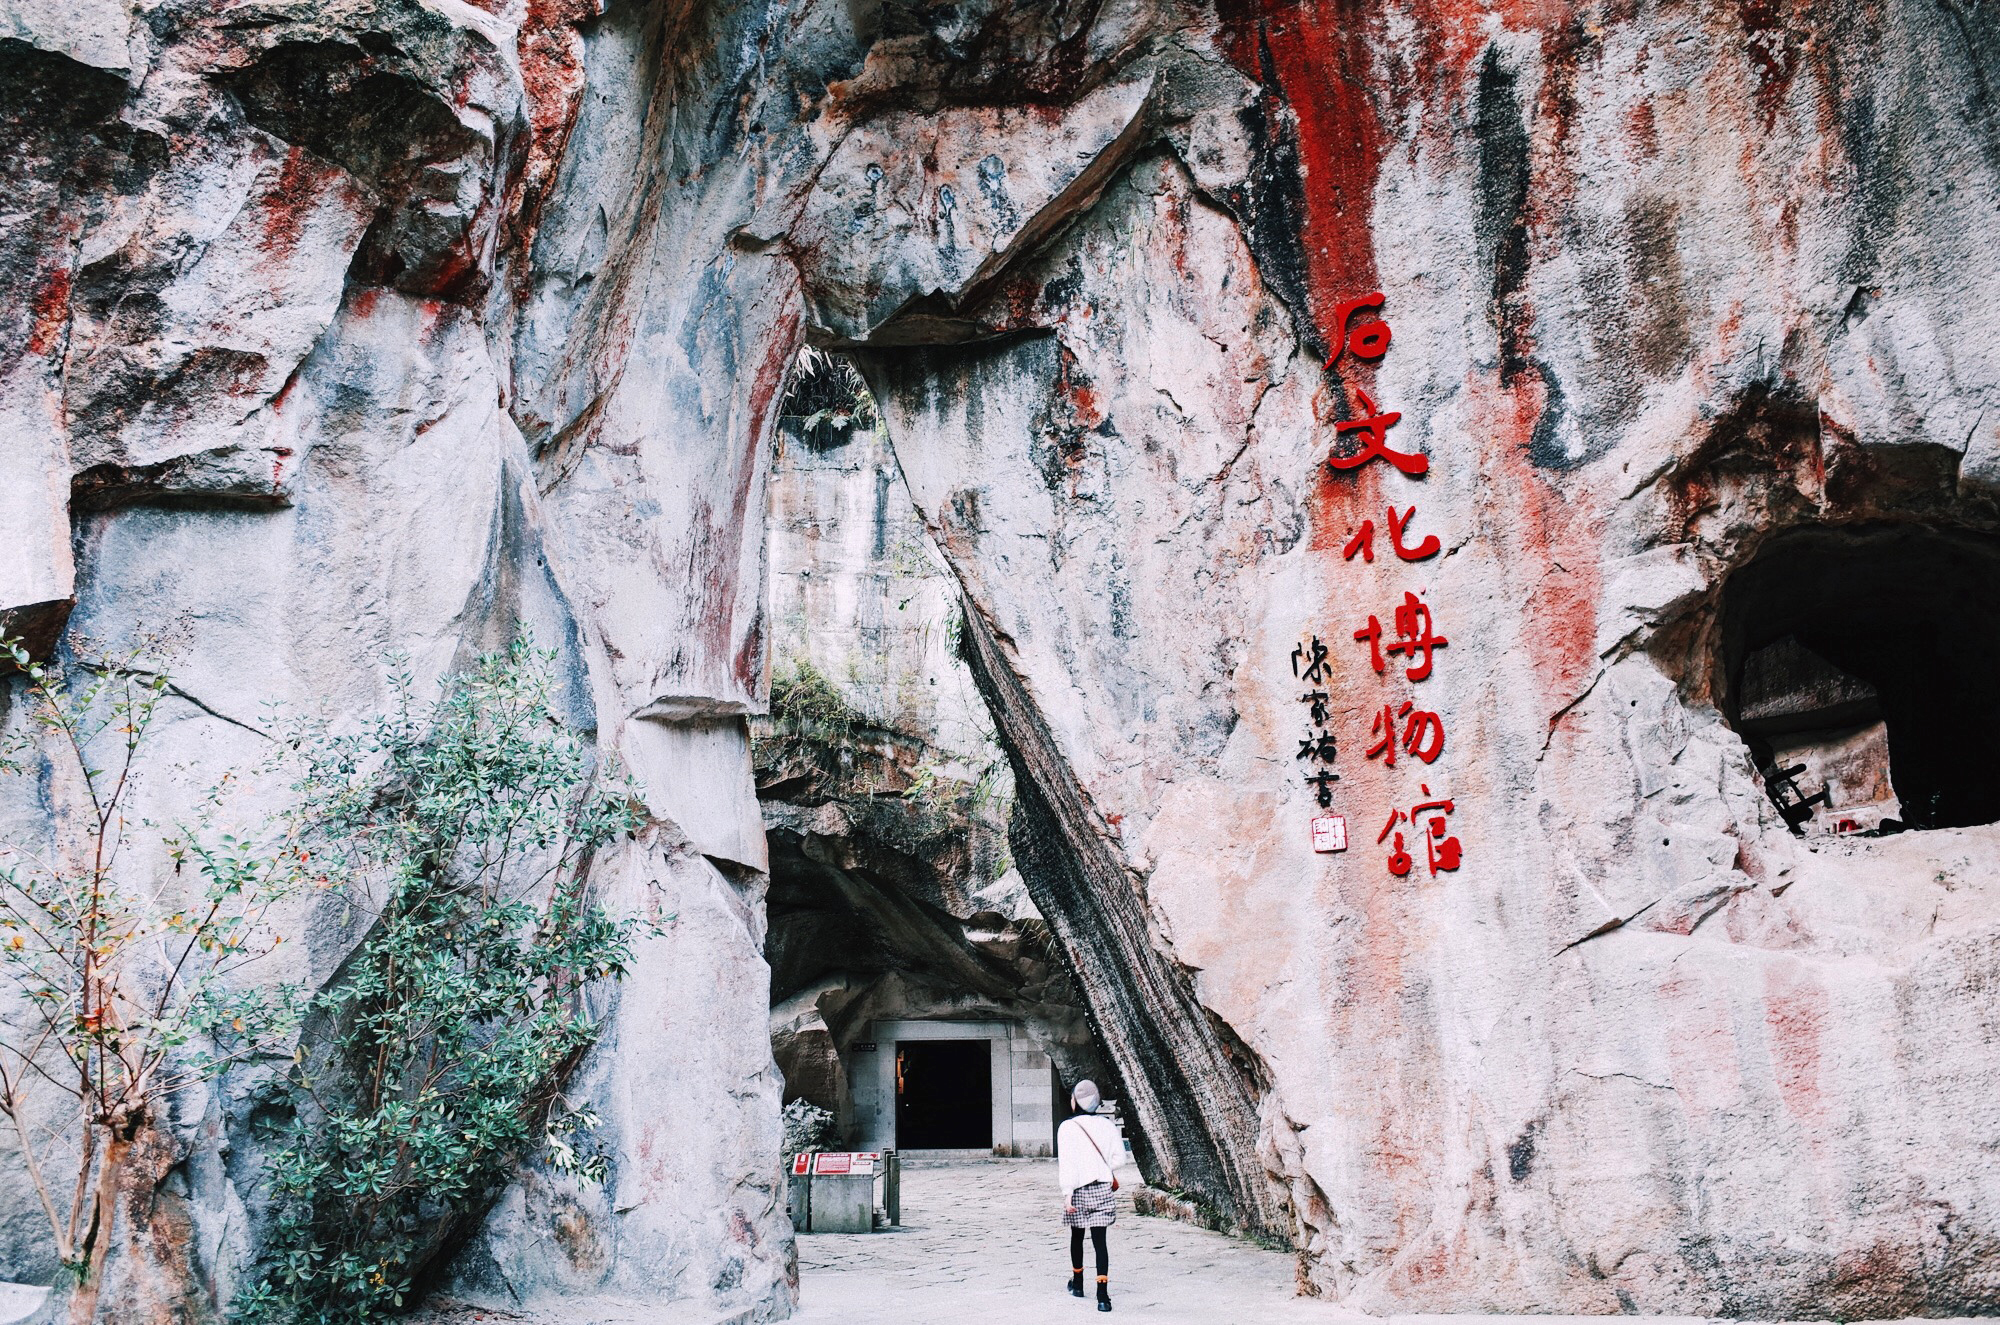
x=1076, y=1284
x=1103, y=1297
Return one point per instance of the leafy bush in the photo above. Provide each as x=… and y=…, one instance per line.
x=126, y=977
x=442, y=1044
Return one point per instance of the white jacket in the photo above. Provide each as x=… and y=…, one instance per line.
x=1077, y=1163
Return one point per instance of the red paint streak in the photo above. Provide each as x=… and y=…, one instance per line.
x=1641, y=128
x=1773, y=51
x=288, y=205
x=1082, y=400
x=1320, y=59
x=719, y=616
x=50, y=311
x=1702, y=1053
x=1550, y=546
x=365, y=300
x=1339, y=501
x=1795, y=1011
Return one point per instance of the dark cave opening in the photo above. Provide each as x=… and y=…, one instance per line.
x=943, y=1095
x=1859, y=660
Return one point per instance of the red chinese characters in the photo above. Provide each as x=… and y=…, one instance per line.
x=1363, y=540
x=1369, y=340
x=1415, y=639
x=1374, y=429
x=1420, y=834
x=1442, y=853
x=1397, y=524
x=1422, y=736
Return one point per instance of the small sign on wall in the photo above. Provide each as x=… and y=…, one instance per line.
x=1329, y=832
x=830, y=1162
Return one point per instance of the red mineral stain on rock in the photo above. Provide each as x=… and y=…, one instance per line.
x=289, y=205
x=1548, y=539
x=550, y=50
x=458, y=272
x=1795, y=1012
x=718, y=617
x=49, y=311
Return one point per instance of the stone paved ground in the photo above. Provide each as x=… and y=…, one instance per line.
x=980, y=1243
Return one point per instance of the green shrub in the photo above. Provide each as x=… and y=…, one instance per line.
x=437, y=1054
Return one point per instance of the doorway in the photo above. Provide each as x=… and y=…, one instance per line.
x=944, y=1095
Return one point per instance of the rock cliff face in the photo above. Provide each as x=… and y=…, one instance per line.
x=314, y=345
x=886, y=798
x=342, y=328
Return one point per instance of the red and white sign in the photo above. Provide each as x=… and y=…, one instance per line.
x=802, y=1163
x=852, y=1161
x=1329, y=832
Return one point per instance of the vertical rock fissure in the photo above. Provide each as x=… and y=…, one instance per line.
x=1180, y=1088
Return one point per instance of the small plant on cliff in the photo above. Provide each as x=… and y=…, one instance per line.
x=443, y=1042
x=808, y=711
x=827, y=400
x=126, y=978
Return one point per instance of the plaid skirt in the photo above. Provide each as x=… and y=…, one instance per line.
x=1096, y=1207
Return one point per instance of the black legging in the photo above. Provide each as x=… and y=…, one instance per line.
x=1097, y=1244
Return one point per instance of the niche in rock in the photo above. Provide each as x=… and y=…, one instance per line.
x=915, y=992
x=1859, y=668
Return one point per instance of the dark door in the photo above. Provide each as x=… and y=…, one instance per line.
x=944, y=1095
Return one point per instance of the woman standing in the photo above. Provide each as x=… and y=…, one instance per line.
x=1086, y=1144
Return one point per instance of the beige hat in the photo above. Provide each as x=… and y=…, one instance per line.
x=1085, y=1096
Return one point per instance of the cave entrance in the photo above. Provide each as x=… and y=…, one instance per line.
x=944, y=1095
x=917, y=1000
x=1858, y=666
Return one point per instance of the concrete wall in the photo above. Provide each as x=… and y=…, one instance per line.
x=1023, y=1123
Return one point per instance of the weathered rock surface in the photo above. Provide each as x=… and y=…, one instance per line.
x=886, y=798
x=342, y=328
x=271, y=263
x=1642, y=1050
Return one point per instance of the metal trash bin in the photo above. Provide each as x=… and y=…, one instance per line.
x=839, y=1191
